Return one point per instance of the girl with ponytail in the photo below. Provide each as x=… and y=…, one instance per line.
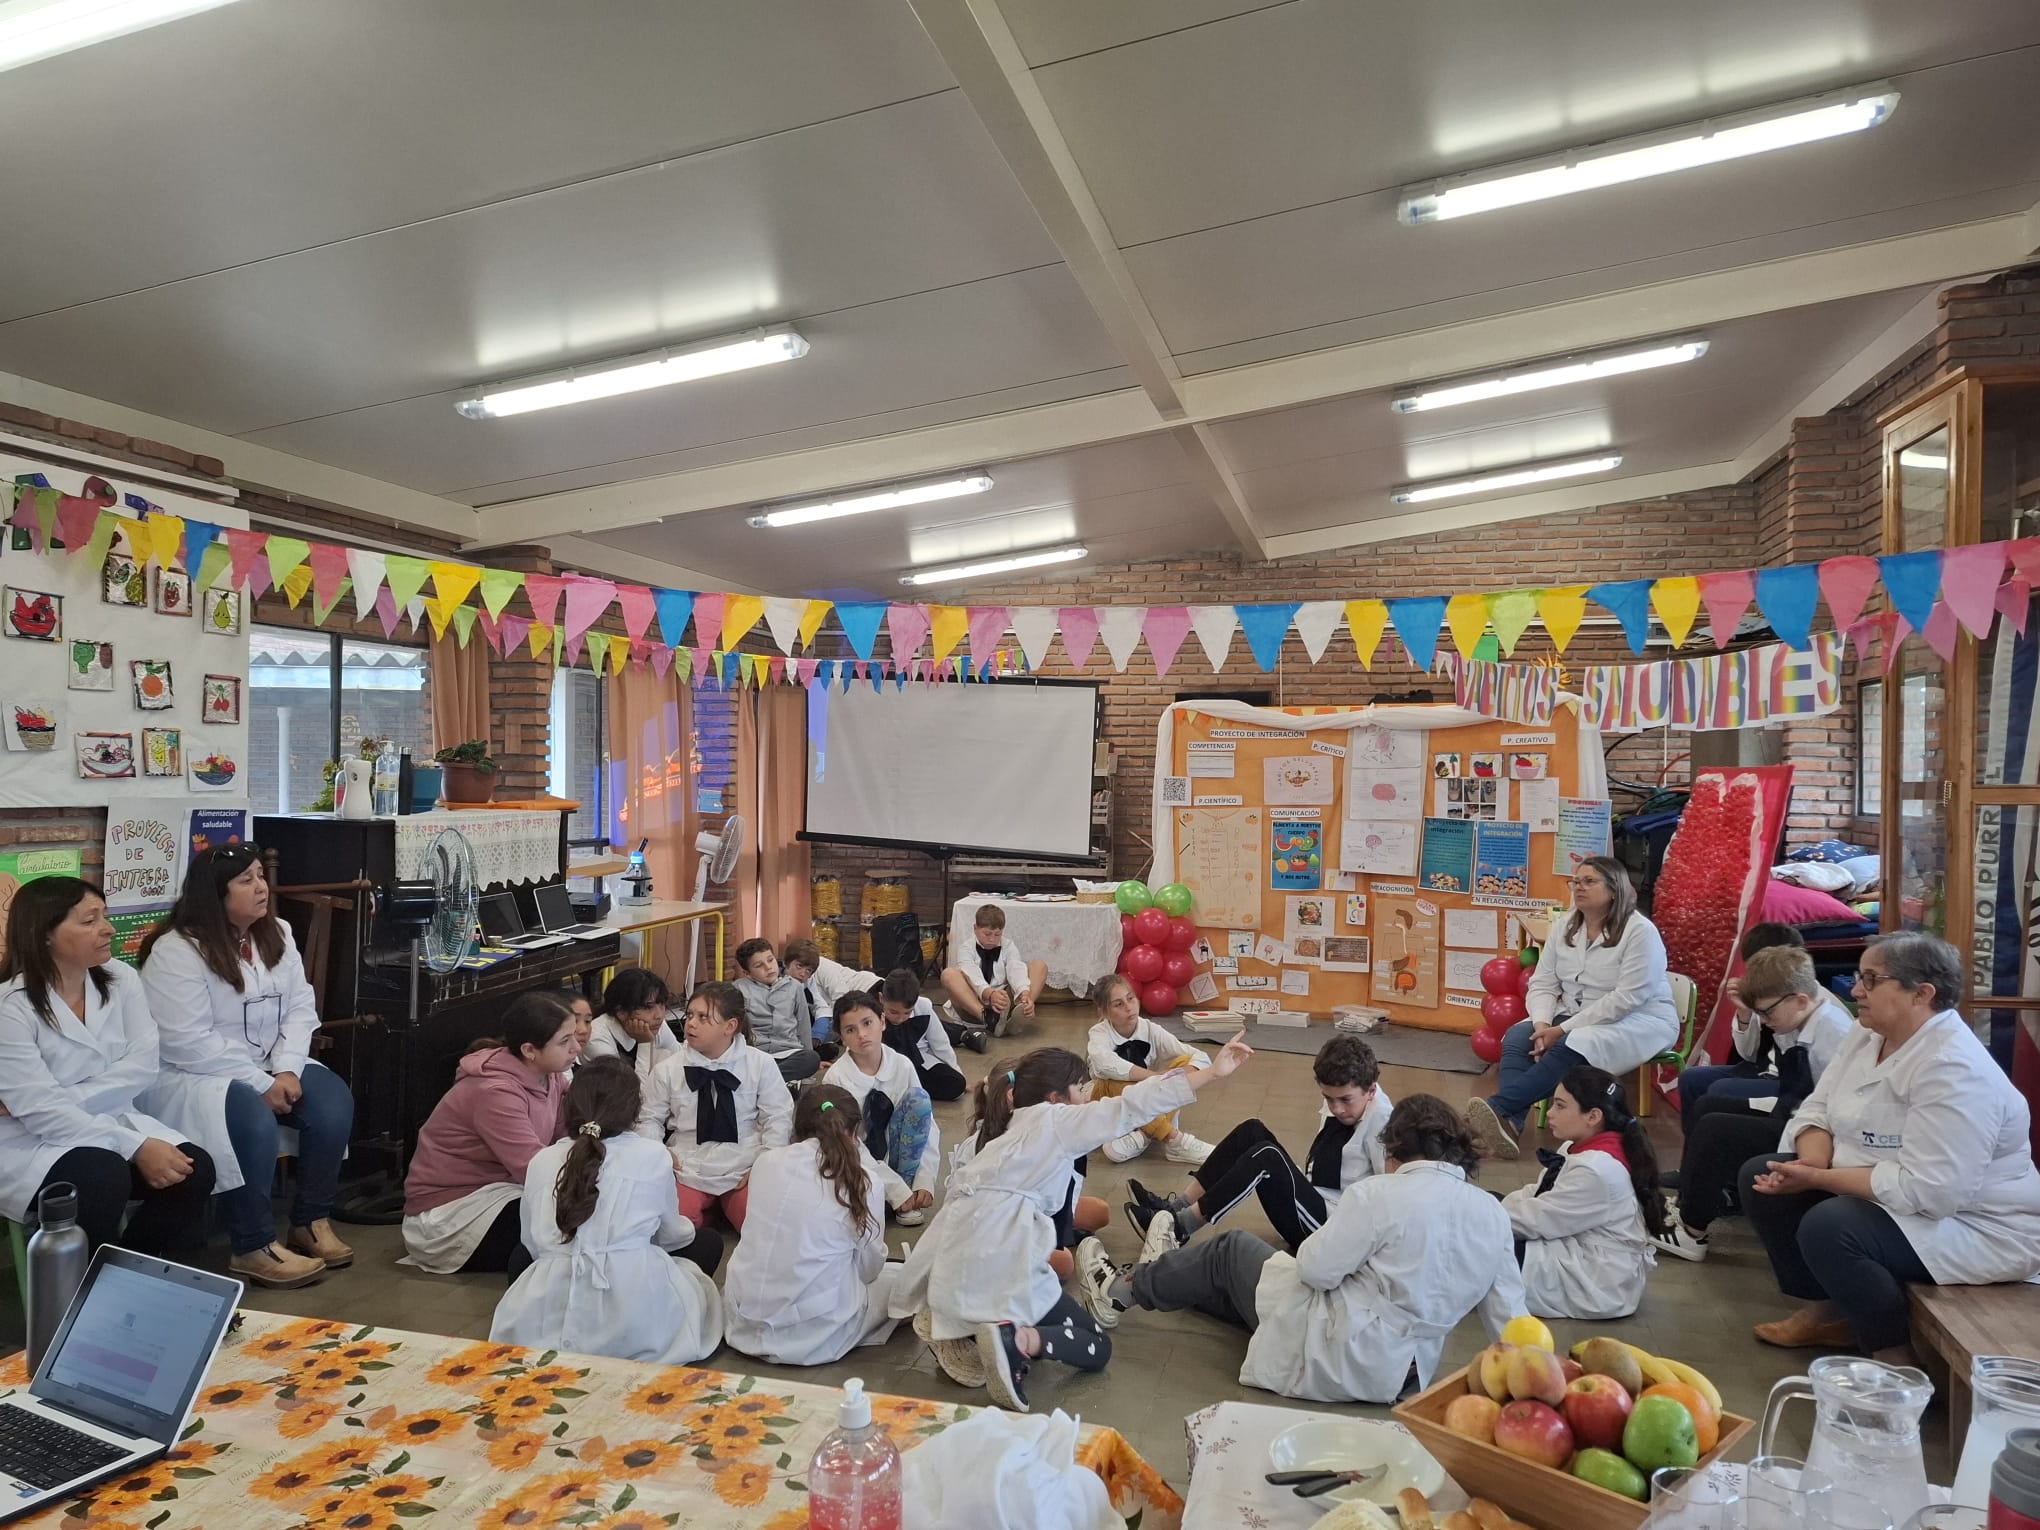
x=614, y=1268
x=1584, y=1229
x=809, y=1282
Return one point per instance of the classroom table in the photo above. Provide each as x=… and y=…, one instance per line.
x=338, y=1426
x=1079, y=941
x=1228, y=1445
x=647, y=919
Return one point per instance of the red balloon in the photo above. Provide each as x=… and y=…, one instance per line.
x=1158, y=999
x=1178, y=969
x=1143, y=964
x=1151, y=926
x=1127, y=939
x=1182, y=935
x=1499, y=975
x=1502, y=1010
x=1487, y=1046
x=1125, y=957
x=1523, y=976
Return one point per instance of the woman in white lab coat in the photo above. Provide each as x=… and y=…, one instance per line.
x=1584, y=1229
x=236, y=1017
x=77, y=1046
x=1362, y=1311
x=1601, y=995
x=616, y=1270
x=717, y=1104
x=632, y=1025
x=899, y=1121
x=1910, y=1161
x=809, y=1281
x=982, y=1268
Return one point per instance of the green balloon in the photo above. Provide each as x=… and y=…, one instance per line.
x=1527, y=956
x=1174, y=899
x=1132, y=897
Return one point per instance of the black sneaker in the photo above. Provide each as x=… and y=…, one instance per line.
x=974, y=1037
x=1669, y=1180
x=1138, y=1216
x=1005, y=1367
x=1143, y=1196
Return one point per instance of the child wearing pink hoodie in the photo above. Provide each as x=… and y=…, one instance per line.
x=507, y=1102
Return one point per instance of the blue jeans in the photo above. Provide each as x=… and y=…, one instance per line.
x=1525, y=1082
x=906, y=1138
x=324, y=1118
x=1732, y=1081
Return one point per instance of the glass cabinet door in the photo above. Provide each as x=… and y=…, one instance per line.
x=1919, y=478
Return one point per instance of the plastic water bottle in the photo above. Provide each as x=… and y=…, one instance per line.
x=388, y=767
x=854, y=1479
x=58, y=1254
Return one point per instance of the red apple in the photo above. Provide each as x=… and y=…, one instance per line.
x=1536, y=1432
x=1597, y=1408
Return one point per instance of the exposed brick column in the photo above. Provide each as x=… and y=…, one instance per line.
x=520, y=697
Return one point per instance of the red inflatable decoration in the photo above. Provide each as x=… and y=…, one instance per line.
x=1499, y=975
x=1158, y=999
x=1502, y=1010
x=1523, y=976
x=1486, y=1046
x=1125, y=957
x=1177, y=969
x=1151, y=926
x=1143, y=964
x=1182, y=934
x=1127, y=939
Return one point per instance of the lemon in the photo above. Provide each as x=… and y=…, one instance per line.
x=1529, y=1333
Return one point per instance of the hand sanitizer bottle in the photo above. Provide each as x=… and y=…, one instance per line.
x=854, y=1479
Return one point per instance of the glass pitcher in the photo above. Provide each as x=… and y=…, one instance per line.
x=1866, y=1430
x=2006, y=1396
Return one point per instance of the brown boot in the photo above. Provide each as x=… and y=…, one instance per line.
x=1803, y=1330
x=276, y=1267
x=316, y=1241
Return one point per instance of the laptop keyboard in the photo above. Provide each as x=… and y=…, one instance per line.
x=44, y=1453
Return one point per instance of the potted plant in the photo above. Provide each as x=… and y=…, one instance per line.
x=470, y=775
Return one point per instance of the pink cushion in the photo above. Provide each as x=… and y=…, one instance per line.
x=1786, y=904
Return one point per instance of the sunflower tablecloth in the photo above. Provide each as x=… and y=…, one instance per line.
x=338, y=1426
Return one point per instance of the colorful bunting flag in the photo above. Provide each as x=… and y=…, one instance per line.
x=1214, y=626
x=860, y=621
x=1034, y=626
x=1628, y=601
x=1726, y=597
x=1512, y=612
x=1787, y=597
x=1416, y=624
x=811, y=621
x=637, y=606
x=498, y=585
x=1265, y=626
x=740, y=615
x=1913, y=582
x=987, y=626
x=1562, y=610
x=905, y=625
x=1677, y=602
x=365, y=568
x=1165, y=627
x=782, y=620
x=1467, y=617
x=1969, y=581
x=1846, y=583
x=1120, y=627
x=1079, y=626
x=543, y=592
x=406, y=577
x=947, y=624
x=1316, y=621
x=708, y=609
x=674, y=607
x=587, y=600
x=1365, y=621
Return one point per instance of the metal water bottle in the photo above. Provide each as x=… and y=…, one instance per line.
x=57, y=1256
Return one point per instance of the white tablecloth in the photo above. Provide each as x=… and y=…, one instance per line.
x=1229, y=1468
x=1079, y=941
x=510, y=846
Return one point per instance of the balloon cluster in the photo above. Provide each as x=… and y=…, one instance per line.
x=1155, y=937
x=1507, y=981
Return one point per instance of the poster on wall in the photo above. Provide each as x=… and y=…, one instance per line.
x=1378, y=849
x=1298, y=780
x=143, y=863
x=1405, y=955
x=1220, y=862
x=209, y=828
x=1296, y=850
x=1447, y=863
x=25, y=866
x=1583, y=831
x=1386, y=748
x=1502, y=863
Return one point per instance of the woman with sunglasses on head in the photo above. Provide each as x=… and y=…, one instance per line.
x=1601, y=996
x=1911, y=1161
x=237, y=1016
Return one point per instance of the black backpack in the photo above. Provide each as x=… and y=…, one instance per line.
x=896, y=942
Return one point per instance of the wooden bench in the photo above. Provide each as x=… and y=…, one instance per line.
x=1952, y=1325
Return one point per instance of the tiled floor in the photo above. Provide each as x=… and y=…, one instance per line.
x=1166, y=1365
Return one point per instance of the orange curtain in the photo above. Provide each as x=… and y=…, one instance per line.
x=460, y=691
x=772, y=876
x=651, y=733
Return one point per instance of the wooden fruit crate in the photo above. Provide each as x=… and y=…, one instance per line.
x=1537, y=1495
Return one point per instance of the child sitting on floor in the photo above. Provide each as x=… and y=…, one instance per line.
x=632, y=1024
x=778, y=1010
x=809, y=1282
x=899, y=1121
x=1126, y=1047
x=992, y=984
x=826, y=981
x=601, y=1219
x=1249, y=1161
x=717, y=1104
x=912, y=1030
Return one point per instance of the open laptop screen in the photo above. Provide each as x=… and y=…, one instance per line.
x=500, y=919
x=555, y=905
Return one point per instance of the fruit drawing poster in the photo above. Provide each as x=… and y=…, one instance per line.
x=1297, y=851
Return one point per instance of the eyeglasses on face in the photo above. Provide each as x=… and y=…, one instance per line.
x=1869, y=981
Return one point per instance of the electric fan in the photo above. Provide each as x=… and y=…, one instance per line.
x=716, y=862
x=449, y=936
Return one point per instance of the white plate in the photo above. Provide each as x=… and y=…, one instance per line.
x=1358, y=1444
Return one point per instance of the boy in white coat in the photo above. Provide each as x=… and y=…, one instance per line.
x=992, y=984
x=899, y=1122
x=912, y=1030
x=826, y=981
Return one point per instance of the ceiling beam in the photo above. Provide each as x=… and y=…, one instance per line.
x=636, y=568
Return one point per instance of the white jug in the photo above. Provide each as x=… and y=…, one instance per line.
x=354, y=789
x=1866, y=1430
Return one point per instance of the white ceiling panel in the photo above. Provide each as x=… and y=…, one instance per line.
x=275, y=125
x=1049, y=30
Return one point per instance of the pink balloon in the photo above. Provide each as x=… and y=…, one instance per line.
x=1182, y=934
x=1499, y=975
x=1143, y=964
x=1178, y=969
x=1127, y=939
x=1501, y=1010
x=1487, y=1046
x=1158, y=999
x=1151, y=926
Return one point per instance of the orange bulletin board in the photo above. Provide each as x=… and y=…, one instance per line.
x=1418, y=955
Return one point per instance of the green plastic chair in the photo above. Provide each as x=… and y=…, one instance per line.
x=1686, y=998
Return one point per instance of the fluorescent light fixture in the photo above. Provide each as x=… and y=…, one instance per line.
x=995, y=566
x=1807, y=120
x=1913, y=457
x=633, y=374
x=884, y=499
x=1549, y=374
x=1506, y=478
x=37, y=29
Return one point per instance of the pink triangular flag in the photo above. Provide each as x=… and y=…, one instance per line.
x=514, y=629
x=329, y=567
x=1858, y=635
x=77, y=516
x=543, y=591
x=637, y=605
x=1726, y=597
x=803, y=671
x=1846, y=583
x=2025, y=556
x=987, y=625
x=662, y=661
x=587, y=599
x=1969, y=581
x=775, y=673
x=1079, y=633
x=640, y=650
x=2015, y=603
x=1166, y=627
x=386, y=611
x=698, y=657
x=1942, y=630
x=245, y=549
x=708, y=608
x=1896, y=630
x=492, y=630
x=908, y=625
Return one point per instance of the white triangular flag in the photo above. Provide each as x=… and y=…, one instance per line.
x=1120, y=626
x=782, y=619
x=1035, y=627
x=366, y=570
x=1316, y=621
x=1214, y=626
x=414, y=611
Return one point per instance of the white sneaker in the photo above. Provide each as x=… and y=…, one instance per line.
x=1490, y=1131
x=1126, y=1149
x=1161, y=1238
x=1181, y=1147
x=910, y=1218
x=1095, y=1274
x=1682, y=1244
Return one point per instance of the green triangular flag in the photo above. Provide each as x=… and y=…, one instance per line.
x=464, y=623
x=406, y=577
x=103, y=531
x=598, y=651
x=46, y=512
x=285, y=554
x=498, y=585
x=214, y=563
x=319, y=612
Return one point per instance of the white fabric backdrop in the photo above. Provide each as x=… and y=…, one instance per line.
x=1079, y=941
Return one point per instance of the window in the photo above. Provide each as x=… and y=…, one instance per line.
x=577, y=766
x=312, y=697
x=1870, y=749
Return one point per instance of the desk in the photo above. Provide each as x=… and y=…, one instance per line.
x=648, y=918
x=1229, y=1463
x=1078, y=941
x=328, y=1425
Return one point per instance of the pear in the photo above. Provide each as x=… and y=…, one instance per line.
x=1611, y=1358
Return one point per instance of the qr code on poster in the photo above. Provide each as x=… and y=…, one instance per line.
x=1175, y=791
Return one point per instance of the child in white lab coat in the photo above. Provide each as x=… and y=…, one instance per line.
x=912, y=1030
x=981, y=1270
x=992, y=983
x=1584, y=1229
x=1125, y=1047
x=826, y=981
x=617, y=1270
x=899, y=1122
x=633, y=1023
x=809, y=1282
x=1361, y=1312
x=716, y=1104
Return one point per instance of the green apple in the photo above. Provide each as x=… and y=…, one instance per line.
x=1660, y=1433
x=1607, y=1470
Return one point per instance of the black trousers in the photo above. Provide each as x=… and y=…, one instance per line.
x=940, y=1080
x=167, y=1220
x=502, y=1247
x=1249, y=1161
x=1722, y=1135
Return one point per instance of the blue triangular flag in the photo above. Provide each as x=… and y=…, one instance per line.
x=1913, y=581
x=900, y=677
x=860, y=621
x=732, y=666
x=1265, y=627
x=1629, y=603
x=1787, y=597
x=825, y=673
x=198, y=536
x=1416, y=623
x=674, y=607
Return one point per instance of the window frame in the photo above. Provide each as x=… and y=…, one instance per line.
x=335, y=641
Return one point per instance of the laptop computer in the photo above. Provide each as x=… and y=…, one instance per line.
x=502, y=925
x=556, y=912
x=115, y=1387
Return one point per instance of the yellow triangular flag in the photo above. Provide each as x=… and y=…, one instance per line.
x=167, y=537
x=439, y=611
x=1467, y=616
x=1677, y=601
x=536, y=639
x=947, y=624
x=811, y=620
x=454, y=582
x=619, y=655
x=1563, y=611
x=740, y=614
x=1365, y=620
x=295, y=583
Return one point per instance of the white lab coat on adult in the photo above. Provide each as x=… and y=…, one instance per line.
x=612, y=1289
x=984, y=1258
x=608, y=1038
x=1376, y=1290
x=764, y=1116
x=894, y=1078
x=804, y=1287
x=73, y=1084
x=1947, y=1141
x=1586, y=1252
x=214, y=1036
x=1617, y=999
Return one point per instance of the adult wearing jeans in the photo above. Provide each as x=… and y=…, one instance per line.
x=236, y=1016
x=1910, y=1161
x=1600, y=997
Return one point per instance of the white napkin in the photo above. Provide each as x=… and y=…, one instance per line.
x=1005, y=1471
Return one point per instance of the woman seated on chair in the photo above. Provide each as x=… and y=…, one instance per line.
x=237, y=1016
x=1600, y=996
x=1910, y=1162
